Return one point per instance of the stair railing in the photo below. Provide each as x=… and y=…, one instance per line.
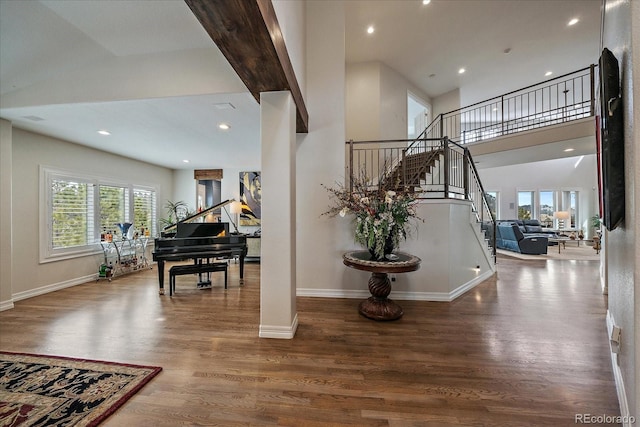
x=559, y=100
x=427, y=167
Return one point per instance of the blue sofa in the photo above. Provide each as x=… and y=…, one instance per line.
x=510, y=237
x=528, y=226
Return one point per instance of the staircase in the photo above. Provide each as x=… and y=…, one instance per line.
x=412, y=171
x=429, y=169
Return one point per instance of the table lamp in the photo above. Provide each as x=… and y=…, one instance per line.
x=236, y=209
x=561, y=216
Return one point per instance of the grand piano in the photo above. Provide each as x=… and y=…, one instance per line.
x=190, y=239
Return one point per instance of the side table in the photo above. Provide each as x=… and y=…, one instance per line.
x=378, y=306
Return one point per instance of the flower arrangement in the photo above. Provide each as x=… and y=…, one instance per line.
x=381, y=215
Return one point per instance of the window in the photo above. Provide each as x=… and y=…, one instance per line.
x=492, y=200
x=525, y=204
x=547, y=208
x=71, y=213
x=114, y=207
x=75, y=210
x=569, y=202
x=144, y=209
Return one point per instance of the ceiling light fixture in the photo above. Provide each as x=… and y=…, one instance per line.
x=224, y=126
x=461, y=71
x=548, y=73
x=185, y=161
x=426, y=1
x=568, y=150
x=370, y=29
x=104, y=132
x=574, y=21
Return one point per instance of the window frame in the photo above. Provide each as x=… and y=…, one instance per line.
x=47, y=253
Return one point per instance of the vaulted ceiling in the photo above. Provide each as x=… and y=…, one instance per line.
x=150, y=74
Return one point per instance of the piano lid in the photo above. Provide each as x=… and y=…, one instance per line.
x=199, y=215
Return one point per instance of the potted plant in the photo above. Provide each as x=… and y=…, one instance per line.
x=175, y=211
x=381, y=215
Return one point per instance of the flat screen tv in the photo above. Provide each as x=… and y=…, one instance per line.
x=611, y=141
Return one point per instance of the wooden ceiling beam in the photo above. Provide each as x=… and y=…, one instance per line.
x=248, y=35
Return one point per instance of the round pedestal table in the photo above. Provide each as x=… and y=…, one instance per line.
x=378, y=306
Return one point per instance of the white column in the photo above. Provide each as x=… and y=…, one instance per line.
x=278, y=316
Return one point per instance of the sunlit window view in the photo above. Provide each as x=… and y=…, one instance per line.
x=525, y=204
x=547, y=208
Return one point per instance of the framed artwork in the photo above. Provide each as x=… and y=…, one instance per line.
x=251, y=198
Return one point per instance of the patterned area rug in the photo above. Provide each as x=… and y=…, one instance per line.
x=58, y=391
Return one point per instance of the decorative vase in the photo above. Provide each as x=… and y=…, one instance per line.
x=124, y=229
x=388, y=248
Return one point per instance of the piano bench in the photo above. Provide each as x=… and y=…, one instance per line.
x=178, y=270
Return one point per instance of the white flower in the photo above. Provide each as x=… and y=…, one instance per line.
x=364, y=200
x=391, y=193
x=343, y=212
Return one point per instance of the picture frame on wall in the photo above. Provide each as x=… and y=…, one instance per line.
x=251, y=198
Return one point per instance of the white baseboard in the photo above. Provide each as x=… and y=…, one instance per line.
x=279, y=332
x=332, y=293
x=617, y=375
x=53, y=287
x=397, y=295
x=6, y=305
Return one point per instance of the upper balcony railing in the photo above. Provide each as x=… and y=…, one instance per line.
x=559, y=100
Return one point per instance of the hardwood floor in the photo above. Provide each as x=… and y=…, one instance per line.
x=526, y=348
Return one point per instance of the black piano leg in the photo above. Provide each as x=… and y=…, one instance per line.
x=206, y=283
x=161, y=276
x=241, y=269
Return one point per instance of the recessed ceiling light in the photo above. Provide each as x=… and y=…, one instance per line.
x=185, y=161
x=426, y=1
x=548, y=73
x=461, y=71
x=574, y=21
x=569, y=150
x=432, y=75
x=507, y=51
x=224, y=126
x=370, y=29
x=104, y=132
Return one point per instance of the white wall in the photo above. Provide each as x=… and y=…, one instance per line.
x=446, y=102
x=560, y=174
x=30, y=151
x=320, y=153
x=394, y=92
x=362, y=101
x=622, y=31
x=6, y=231
x=376, y=102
